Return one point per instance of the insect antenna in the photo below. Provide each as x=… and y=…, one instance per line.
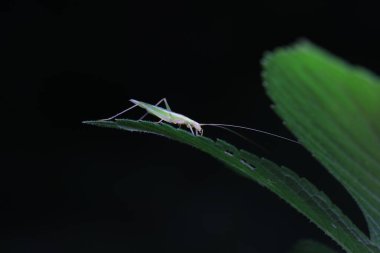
x=250, y=129
x=242, y=136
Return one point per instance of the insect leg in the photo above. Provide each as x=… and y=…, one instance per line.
x=144, y=116
x=120, y=113
x=191, y=129
x=159, y=102
x=166, y=104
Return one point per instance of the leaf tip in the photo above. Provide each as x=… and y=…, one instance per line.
x=88, y=122
x=91, y=122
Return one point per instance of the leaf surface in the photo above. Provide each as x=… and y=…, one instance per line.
x=297, y=191
x=333, y=108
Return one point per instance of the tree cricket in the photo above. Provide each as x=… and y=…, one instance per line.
x=167, y=115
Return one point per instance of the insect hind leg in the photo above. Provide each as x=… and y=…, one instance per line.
x=120, y=113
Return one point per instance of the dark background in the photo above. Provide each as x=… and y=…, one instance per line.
x=68, y=187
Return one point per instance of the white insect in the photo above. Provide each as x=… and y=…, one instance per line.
x=169, y=116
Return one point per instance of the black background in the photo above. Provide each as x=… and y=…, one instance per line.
x=68, y=187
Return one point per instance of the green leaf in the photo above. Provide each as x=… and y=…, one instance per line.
x=334, y=110
x=310, y=246
x=297, y=191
